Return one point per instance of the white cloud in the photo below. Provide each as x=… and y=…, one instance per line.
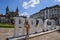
x=24, y=14
x=31, y=3
x=57, y=0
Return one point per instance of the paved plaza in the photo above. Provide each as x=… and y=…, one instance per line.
x=5, y=32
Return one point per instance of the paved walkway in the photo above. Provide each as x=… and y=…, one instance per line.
x=5, y=32
x=50, y=36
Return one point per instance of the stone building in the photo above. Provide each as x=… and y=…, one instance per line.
x=8, y=17
x=52, y=12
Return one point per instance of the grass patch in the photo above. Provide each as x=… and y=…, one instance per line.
x=6, y=26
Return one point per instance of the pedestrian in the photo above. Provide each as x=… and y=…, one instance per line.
x=27, y=26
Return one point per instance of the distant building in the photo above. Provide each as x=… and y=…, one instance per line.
x=8, y=17
x=52, y=12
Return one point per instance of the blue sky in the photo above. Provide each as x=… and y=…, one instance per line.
x=26, y=7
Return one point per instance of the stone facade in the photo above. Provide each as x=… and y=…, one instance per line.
x=8, y=17
x=52, y=12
